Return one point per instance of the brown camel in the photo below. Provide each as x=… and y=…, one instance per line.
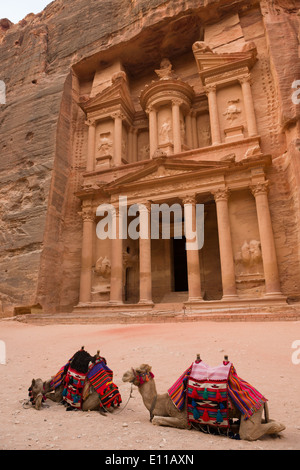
x=42, y=390
x=164, y=413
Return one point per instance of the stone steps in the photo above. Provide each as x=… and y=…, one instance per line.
x=170, y=313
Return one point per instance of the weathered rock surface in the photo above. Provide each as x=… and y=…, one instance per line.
x=41, y=144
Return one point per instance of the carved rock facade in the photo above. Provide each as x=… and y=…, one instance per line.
x=177, y=105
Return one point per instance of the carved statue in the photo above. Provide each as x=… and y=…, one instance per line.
x=105, y=144
x=182, y=130
x=232, y=110
x=103, y=267
x=165, y=72
x=201, y=46
x=250, y=253
x=145, y=152
x=255, y=251
x=165, y=131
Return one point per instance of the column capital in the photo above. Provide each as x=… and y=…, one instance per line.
x=189, y=199
x=260, y=188
x=245, y=79
x=87, y=214
x=90, y=122
x=221, y=194
x=177, y=102
x=210, y=88
x=118, y=114
x=150, y=108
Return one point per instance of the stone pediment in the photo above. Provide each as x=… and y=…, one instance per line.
x=210, y=63
x=116, y=94
x=165, y=168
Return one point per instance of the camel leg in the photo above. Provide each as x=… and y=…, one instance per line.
x=91, y=403
x=253, y=428
x=169, y=421
x=55, y=396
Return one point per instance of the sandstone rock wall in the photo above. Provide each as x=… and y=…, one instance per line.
x=42, y=143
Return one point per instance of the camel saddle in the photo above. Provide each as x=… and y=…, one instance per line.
x=81, y=373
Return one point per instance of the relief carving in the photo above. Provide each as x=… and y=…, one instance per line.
x=103, y=267
x=166, y=132
x=105, y=144
x=232, y=110
x=145, y=152
x=165, y=72
x=102, y=271
x=250, y=254
x=201, y=46
x=249, y=269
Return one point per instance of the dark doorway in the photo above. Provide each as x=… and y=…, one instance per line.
x=180, y=265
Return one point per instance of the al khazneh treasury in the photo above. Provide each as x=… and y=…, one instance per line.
x=158, y=103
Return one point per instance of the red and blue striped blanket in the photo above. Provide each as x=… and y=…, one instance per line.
x=201, y=384
x=97, y=374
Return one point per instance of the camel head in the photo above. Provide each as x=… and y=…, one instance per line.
x=139, y=375
x=36, y=393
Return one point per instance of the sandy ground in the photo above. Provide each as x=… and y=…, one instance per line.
x=261, y=353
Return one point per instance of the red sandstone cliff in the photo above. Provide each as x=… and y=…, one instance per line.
x=40, y=229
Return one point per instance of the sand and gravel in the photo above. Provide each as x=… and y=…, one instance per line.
x=261, y=352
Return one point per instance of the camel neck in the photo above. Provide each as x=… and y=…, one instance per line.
x=148, y=393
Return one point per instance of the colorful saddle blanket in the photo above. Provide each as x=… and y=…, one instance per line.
x=100, y=377
x=209, y=392
x=75, y=381
x=207, y=395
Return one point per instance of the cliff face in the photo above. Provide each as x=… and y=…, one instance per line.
x=40, y=228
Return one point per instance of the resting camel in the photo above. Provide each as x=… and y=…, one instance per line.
x=40, y=390
x=164, y=413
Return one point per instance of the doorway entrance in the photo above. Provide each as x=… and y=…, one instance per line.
x=179, y=265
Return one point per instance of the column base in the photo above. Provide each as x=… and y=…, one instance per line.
x=145, y=302
x=194, y=299
x=274, y=295
x=230, y=297
x=115, y=302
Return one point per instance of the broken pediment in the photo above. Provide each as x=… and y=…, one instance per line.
x=116, y=94
x=210, y=63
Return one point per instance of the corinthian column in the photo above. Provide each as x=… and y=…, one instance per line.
x=245, y=82
x=192, y=255
x=145, y=254
x=151, y=111
x=88, y=217
x=118, y=135
x=116, y=277
x=272, y=283
x=225, y=244
x=176, y=125
x=211, y=92
x=90, y=163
